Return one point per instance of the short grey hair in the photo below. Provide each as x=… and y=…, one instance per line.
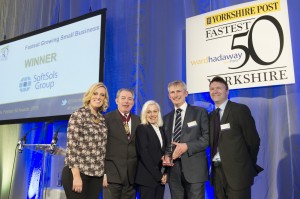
x=177, y=83
x=125, y=89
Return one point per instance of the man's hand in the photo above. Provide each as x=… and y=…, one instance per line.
x=179, y=149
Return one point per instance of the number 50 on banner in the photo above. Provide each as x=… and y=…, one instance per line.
x=247, y=44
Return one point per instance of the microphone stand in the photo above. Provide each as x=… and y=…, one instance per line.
x=54, y=140
x=23, y=140
x=53, y=143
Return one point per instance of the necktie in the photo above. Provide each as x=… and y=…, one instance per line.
x=126, y=126
x=178, y=126
x=216, y=131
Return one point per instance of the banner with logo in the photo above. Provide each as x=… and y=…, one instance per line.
x=249, y=45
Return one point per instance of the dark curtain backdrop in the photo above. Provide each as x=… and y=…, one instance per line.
x=145, y=50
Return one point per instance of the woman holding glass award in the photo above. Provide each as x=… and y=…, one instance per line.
x=150, y=145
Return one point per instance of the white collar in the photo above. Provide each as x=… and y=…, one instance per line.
x=183, y=107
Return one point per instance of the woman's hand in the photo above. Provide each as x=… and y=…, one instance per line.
x=105, y=182
x=164, y=179
x=77, y=181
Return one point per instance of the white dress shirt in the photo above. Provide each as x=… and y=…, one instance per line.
x=157, y=131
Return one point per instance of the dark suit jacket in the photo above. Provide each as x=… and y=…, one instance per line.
x=194, y=161
x=238, y=145
x=121, y=159
x=149, y=153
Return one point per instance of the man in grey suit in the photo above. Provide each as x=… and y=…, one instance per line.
x=187, y=128
x=234, y=145
x=121, y=158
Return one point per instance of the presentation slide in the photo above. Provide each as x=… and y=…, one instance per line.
x=45, y=73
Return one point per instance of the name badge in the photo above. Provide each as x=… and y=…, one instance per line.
x=225, y=126
x=193, y=123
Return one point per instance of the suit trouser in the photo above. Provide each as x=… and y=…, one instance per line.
x=222, y=190
x=91, y=185
x=152, y=192
x=119, y=191
x=180, y=188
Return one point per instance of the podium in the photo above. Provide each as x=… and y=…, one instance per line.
x=48, y=151
x=46, y=148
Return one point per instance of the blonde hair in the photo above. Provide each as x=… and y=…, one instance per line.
x=88, y=95
x=144, y=110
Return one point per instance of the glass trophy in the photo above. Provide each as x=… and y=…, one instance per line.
x=168, y=159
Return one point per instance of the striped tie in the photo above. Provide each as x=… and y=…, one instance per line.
x=177, y=128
